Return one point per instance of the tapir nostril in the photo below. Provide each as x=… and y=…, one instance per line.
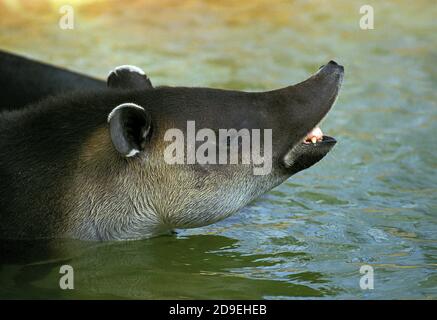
x=333, y=66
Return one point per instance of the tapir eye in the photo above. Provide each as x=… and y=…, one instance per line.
x=231, y=140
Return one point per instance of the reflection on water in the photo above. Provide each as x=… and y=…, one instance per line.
x=165, y=267
x=370, y=201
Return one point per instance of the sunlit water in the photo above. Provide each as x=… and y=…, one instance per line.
x=371, y=201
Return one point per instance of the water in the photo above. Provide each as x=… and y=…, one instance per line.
x=371, y=201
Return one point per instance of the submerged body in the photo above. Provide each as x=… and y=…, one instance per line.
x=90, y=165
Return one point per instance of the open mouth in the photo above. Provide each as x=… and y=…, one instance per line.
x=315, y=145
x=312, y=149
x=316, y=136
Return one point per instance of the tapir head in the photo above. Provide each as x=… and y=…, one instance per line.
x=179, y=142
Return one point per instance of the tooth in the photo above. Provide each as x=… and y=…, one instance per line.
x=314, y=140
x=317, y=132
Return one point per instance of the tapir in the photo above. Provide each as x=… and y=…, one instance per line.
x=85, y=158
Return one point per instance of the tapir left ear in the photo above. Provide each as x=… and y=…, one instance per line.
x=128, y=77
x=129, y=126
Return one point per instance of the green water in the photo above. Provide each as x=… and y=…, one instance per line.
x=372, y=200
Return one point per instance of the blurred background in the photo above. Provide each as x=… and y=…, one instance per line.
x=371, y=201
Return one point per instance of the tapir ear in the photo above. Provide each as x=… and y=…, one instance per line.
x=128, y=77
x=129, y=126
